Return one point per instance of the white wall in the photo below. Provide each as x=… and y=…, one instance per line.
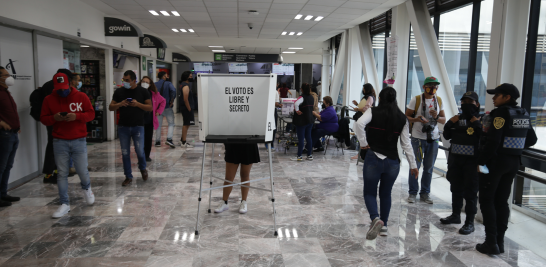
x=129, y=43
x=132, y=63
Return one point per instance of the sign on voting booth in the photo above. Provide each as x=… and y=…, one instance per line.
x=236, y=107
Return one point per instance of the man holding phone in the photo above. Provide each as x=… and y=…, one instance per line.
x=132, y=102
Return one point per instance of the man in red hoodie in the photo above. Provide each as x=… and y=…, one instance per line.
x=68, y=111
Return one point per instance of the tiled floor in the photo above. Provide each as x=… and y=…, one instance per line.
x=321, y=219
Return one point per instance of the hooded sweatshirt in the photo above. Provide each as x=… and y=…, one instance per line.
x=76, y=102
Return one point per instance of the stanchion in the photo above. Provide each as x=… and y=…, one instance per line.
x=211, y=172
x=200, y=189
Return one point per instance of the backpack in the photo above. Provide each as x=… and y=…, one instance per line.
x=418, y=103
x=36, y=101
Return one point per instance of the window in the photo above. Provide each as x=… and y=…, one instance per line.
x=378, y=44
x=482, y=58
x=538, y=103
x=416, y=76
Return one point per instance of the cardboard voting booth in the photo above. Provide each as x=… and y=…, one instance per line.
x=288, y=106
x=239, y=109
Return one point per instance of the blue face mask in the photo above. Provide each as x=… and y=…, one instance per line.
x=79, y=85
x=127, y=85
x=63, y=93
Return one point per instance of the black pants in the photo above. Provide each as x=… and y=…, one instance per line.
x=463, y=176
x=148, y=134
x=495, y=189
x=49, y=159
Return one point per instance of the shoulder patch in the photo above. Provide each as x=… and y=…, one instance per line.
x=498, y=122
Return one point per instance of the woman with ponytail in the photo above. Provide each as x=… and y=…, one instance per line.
x=378, y=130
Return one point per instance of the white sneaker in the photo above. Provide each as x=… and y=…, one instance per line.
x=223, y=207
x=186, y=145
x=242, y=208
x=296, y=158
x=89, y=196
x=61, y=211
x=384, y=231
x=310, y=157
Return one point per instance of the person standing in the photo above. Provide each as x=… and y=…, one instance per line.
x=284, y=91
x=9, y=135
x=319, y=88
x=151, y=118
x=328, y=123
x=187, y=105
x=366, y=102
x=378, y=131
x=304, y=120
x=509, y=134
x=69, y=111
x=464, y=131
x=167, y=90
x=132, y=101
x=425, y=112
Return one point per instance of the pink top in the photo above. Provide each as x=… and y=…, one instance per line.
x=158, y=106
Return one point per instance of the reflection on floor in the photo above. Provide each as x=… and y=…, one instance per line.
x=321, y=219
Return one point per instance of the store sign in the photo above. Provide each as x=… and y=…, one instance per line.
x=246, y=57
x=118, y=27
x=177, y=57
x=149, y=41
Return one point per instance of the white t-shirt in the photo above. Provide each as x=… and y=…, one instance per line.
x=277, y=97
x=418, y=126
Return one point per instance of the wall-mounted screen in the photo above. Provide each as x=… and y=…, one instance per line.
x=283, y=69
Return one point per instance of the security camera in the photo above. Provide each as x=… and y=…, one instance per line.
x=250, y=26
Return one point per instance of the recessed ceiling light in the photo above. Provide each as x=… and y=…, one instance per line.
x=218, y=50
x=175, y=30
x=308, y=17
x=283, y=33
x=154, y=13
x=291, y=33
x=298, y=16
x=165, y=13
x=295, y=48
x=232, y=49
x=300, y=33
x=215, y=46
x=175, y=13
x=288, y=52
x=183, y=30
x=84, y=46
x=319, y=18
x=191, y=30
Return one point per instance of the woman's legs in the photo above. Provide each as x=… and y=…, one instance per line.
x=231, y=170
x=309, y=145
x=301, y=135
x=385, y=188
x=245, y=176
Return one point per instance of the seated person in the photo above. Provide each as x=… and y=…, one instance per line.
x=328, y=123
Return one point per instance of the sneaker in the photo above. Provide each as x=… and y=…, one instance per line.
x=88, y=196
x=411, y=198
x=320, y=149
x=297, y=158
x=242, y=208
x=310, y=157
x=61, y=211
x=451, y=219
x=72, y=172
x=148, y=159
x=170, y=143
x=157, y=143
x=375, y=228
x=186, y=145
x=10, y=198
x=384, y=231
x=223, y=207
x=426, y=198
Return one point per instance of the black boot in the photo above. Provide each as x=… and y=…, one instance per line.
x=467, y=229
x=451, y=219
x=489, y=249
x=500, y=241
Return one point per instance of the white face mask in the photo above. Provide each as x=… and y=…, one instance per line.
x=145, y=85
x=9, y=81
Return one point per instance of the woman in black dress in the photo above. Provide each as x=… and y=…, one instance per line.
x=238, y=154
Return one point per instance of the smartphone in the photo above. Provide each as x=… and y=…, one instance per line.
x=129, y=99
x=64, y=113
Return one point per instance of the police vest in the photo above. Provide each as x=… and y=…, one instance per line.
x=378, y=137
x=515, y=130
x=465, y=140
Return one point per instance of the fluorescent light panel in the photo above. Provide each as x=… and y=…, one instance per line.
x=215, y=46
x=176, y=13
x=295, y=48
x=183, y=30
x=165, y=13
x=175, y=30
x=84, y=46
x=218, y=50
x=291, y=33
x=191, y=30
x=154, y=13
x=283, y=33
x=308, y=17
x=319, y=18
x=288, y=52
x=300, y=33
x=298, y=16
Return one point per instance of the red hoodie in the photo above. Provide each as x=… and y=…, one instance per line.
x=76, y=102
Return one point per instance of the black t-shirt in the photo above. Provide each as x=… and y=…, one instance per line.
x=131, y=116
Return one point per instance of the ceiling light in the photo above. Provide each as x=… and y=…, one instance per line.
x=165, y=13
x=298, y=16
x=218, y=50
x=215, y=46
x=253, y=12
x=308, y=17
x=154, y=13
x=300, y=33
x=175, y=13
x=288, y=52
x=283, y=33
x=319, y=18
x=84, y=46
x=175, y=30
x=291, y=33
x=232, y=50
x=183, y=30
x=295, y=48
x=191, y=30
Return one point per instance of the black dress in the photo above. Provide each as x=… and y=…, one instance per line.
x=242, y=154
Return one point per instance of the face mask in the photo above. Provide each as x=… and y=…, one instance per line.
x=190, y=80
x=469, y=110
x=145, y=85
x=79, y=85
x=431, y=91
x=9, y=81
x=323, y=106
x=63, y=93
x=127, y=85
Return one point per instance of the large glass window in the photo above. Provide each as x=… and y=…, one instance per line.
x=538, y=103
x=416, y=76
x=482, y=57
x=378, y=44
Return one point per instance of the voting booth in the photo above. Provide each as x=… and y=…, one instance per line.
x=239, y=109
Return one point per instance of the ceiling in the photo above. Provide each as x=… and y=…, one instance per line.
x=225, y=22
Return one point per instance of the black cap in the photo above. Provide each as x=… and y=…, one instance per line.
x=505, y=89
x=471, y=95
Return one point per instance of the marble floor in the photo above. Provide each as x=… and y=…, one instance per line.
x=321, y=218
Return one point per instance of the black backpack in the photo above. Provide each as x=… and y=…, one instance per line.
x=36, y=101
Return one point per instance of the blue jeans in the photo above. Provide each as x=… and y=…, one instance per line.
x=428, y=158
x=316, y=134
x=64, y=151
x=137, y=134
x=9, y=141
x=167, y=113
x=305, y=132
x=383, y=172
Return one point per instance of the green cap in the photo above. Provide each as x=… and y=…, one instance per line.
x=431, y=80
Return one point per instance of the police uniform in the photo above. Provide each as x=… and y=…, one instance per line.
x=509, y=133
x=462, y=171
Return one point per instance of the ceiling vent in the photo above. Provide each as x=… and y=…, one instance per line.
x=253, y=12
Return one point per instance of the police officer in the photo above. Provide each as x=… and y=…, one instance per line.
x=464, y=130
x=509, y=133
